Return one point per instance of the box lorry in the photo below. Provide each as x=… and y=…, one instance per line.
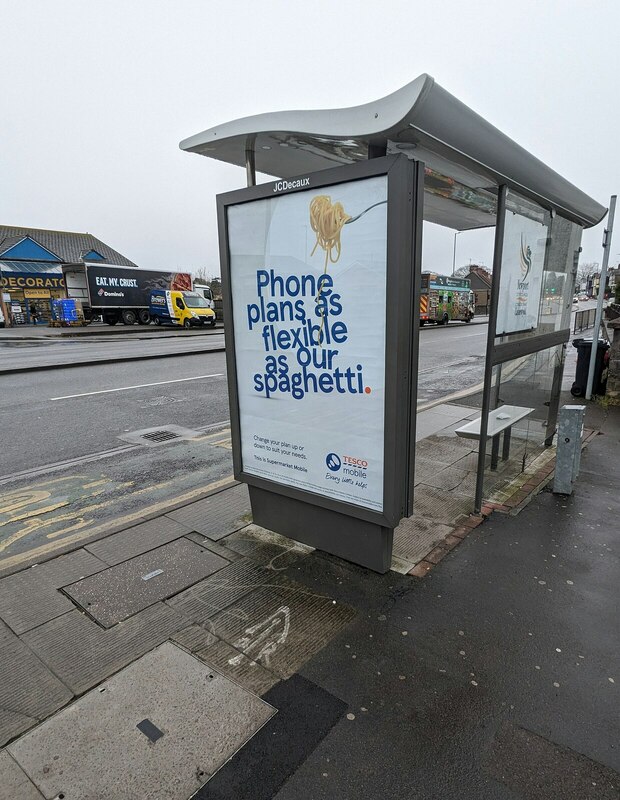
x=186, y=309
x=119, y=294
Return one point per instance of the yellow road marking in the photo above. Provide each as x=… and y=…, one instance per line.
x=36, y=512
x=96, y=483
x=23, y=498
x=156, y=508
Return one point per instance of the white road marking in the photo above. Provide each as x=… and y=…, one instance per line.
x=138, y=386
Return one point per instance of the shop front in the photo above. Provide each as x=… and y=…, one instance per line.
x=29, y=294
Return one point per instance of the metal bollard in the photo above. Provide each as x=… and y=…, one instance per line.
x=568, y=456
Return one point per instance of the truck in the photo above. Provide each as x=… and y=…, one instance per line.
x=205, y=291
x=444, y=298
x=119, y=294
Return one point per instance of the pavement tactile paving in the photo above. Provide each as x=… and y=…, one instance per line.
x=29, y=692
x=81, y=653
x=31, y=597
x=198, y=719
x=137, y=540
x=217, y=515
x=119, y=592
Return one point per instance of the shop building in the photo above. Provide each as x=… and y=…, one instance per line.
x=31, y=263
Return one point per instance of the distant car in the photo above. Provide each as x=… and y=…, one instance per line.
x=575, y=303
x=583, y=297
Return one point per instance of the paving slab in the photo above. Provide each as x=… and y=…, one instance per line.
x=194, y=638
x=205, y=599
x=441, y=506
x=82, y=653
x=416, y=536
x=158, y=729
x=215, y=547
x=14, y=783
x=31, y=597
x=281, y=625
x=29, y=691
x=238, y=667
x=137, y=540
x=217, y=515
x=121, y=591
x=276, y=552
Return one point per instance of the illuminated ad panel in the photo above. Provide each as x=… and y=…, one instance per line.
x=308, y=275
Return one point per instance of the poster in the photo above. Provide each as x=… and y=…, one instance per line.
x=308, y=283
x=523, y=260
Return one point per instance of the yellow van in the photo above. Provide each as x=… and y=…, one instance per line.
x=180, y=308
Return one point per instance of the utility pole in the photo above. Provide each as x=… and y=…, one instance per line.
x=607, y=233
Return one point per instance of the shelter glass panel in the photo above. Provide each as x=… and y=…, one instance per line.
x=521, y=422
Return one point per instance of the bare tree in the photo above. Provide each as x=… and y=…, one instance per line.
x=202, y=276
x=586, y=271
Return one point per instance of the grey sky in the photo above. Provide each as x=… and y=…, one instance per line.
x=98, y=94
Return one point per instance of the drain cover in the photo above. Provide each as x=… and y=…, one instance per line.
x=153, y=437
x=160, y=436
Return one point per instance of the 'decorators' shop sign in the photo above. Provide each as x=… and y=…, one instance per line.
x=308, y=282
x=523, y=260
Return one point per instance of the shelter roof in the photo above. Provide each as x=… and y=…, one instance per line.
x=422, y=120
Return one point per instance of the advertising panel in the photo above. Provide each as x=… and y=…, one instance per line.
x=308, y=274
x=523, y=260
x=111, y=287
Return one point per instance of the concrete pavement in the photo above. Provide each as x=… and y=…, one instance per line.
x=494, y=676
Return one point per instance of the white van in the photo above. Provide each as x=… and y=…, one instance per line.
x=205, y=291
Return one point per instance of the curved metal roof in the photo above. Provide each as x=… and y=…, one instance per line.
x=422, y=120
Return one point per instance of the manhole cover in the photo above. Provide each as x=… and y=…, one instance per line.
x=162, y=726
x=160, y=436
x=153, y=437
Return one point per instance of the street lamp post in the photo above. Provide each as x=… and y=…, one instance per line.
x=454, y=252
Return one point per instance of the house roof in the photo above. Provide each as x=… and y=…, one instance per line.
x=69, y=247
x=36, y=267
x=421, y=120
x=482, y=273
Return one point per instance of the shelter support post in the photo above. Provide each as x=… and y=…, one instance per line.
x=250, y=161
x=488, y=364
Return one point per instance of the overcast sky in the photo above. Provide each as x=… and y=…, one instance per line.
x=97, y=95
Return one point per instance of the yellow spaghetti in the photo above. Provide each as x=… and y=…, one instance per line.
x=327, y=221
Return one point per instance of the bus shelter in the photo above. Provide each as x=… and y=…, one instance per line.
x=321, y=272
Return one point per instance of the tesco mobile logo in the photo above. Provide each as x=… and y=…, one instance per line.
x=333, y=462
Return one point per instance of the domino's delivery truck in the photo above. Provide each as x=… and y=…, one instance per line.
x=186, y=309
x=120, y=294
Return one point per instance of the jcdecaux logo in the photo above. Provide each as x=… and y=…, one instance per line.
x=333, y=462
